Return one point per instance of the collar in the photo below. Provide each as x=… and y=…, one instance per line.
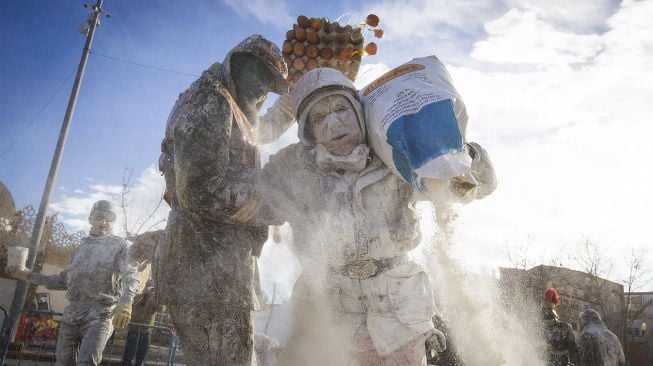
x=354, y=162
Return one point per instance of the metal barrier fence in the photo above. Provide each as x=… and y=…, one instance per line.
x=2, y=330
x=36, y=341
x=4, y=319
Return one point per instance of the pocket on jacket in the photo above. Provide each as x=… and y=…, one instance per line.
x=410, y=294
x=350, y=296
x=103, y=280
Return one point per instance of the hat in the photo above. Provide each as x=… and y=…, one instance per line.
x=590, y=314
x=267, y=53
x=317, y=84
x=551, y=295
x=103, y=206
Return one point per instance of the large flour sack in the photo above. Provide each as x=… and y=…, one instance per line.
x=416, y=122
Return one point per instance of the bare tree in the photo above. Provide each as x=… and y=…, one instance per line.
x=638, y=277
x=147, y=220
x=519, y=255
x=124, y=195
x=593, y=261
x=543, y=262
x=535, y=268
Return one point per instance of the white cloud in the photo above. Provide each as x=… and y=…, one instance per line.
x=570, y=144
x=524, y=37
x=265, y=11
x=577, y=16
x=370, y=72
x=425, y=27
x=142, y=199
x=427, y=18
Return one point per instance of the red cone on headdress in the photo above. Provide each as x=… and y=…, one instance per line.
x=551, y=295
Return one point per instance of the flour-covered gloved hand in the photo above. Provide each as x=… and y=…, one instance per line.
x=436, y=344
x=122, y=314
x=17, y=273
x=464, y=188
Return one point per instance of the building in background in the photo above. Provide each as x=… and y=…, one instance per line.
x=638, y=330
x=578, y=291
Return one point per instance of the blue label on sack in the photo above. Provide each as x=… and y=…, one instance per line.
x=423, y=136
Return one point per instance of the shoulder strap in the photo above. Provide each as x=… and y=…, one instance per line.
x=244, y=125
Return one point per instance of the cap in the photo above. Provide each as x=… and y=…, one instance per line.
x=551, y=295
x=103, y=206
x=266, y=52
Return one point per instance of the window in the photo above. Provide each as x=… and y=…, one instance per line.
x=615, y=292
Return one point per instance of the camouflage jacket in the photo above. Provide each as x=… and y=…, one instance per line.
x=99, y=271
x=208, y=166
x=561, y=347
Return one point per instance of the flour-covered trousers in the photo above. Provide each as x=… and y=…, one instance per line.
x=411, y=354
x=83, y=334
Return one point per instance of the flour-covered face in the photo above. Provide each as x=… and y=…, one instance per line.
x=102, y=223
x=335, y=125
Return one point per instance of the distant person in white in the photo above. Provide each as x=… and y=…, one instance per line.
x=598, y=345
x=100, y=281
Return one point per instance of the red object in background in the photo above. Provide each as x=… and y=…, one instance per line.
x=551, y=295
x=37, y=329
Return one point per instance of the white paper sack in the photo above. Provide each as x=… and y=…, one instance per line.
x=416, y=122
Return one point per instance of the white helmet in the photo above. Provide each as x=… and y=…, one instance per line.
x=316, y=85
x=103, y=206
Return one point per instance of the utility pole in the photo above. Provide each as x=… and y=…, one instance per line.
x=21, y=286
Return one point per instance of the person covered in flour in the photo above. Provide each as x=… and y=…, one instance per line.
x=353, y=223
x=205, y=271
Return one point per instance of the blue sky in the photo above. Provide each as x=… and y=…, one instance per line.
x=122, y=108
x=560, y=95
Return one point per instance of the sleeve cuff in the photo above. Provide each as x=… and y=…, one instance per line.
x=127, y=299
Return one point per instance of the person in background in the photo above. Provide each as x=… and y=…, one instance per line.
x=598, y=345
x=561, y=347
x=100, y=282
x=137, y=342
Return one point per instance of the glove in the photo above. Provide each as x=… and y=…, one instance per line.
x=464, y=188
x=122, y=314
x=18, y=274
x=436, y=343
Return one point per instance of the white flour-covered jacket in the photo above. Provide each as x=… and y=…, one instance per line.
x=353, y=223
x=99, y=272
x=339, y=219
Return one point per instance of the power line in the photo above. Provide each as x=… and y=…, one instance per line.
x=143, y=65
x=22, y=133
